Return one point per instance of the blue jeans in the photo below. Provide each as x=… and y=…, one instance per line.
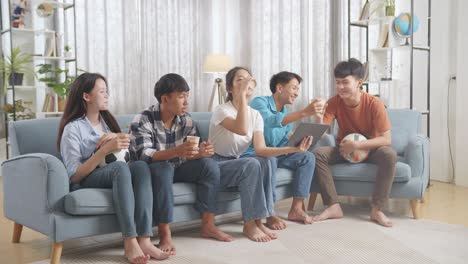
x=203, y=172
x=251, y=175
x=303, y=165
x=131, y=192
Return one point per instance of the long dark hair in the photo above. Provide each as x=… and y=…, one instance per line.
x=76, y=106
x=230, y=80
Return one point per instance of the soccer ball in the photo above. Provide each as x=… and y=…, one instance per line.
x=357, y=155
x=122, y=155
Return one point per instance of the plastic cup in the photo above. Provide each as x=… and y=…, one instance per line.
x=193, y=140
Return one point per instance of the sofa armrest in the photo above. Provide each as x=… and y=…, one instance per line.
x=34, y=186
x=417, y=157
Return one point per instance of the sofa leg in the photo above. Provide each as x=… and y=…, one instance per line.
x=312, y=198
x=415, y=208
x=56, y=252
x=17, y=229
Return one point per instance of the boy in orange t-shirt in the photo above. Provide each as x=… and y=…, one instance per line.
x=356, y=112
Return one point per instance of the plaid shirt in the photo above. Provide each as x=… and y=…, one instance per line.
x=151, y=135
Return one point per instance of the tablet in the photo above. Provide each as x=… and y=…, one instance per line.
x=307, y=129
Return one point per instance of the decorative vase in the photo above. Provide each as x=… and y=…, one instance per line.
x=390, y=10
x=16, y=79
x=62, y=102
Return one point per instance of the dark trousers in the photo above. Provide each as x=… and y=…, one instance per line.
x=384, y=157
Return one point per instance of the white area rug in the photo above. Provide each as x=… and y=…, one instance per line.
x=352, y=239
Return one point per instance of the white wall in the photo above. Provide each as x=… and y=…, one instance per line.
x=443, y=65
x=461, y=125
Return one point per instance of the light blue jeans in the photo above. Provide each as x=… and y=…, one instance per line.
x=131, y=194
x=303, y=165
x=252, y=176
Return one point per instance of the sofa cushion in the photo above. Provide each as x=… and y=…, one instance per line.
x=203, y=127
x=94, y=201
x=367, y=172
x=283, y=176
x=89, y=201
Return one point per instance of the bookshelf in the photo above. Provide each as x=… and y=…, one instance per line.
x=395, y=70
x=47, y=39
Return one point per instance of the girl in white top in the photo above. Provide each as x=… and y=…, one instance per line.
x=235, y=125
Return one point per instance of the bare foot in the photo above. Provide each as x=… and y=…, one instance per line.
x=149, y=249
x=211, y=231
x=379, y=217
x=332, y=212
x=300, y=216
x=254, y=233
x=165, y=239
x=275, y=223
x=134, y=253
x=265, y=229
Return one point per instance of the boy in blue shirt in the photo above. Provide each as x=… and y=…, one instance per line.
x=278, y=124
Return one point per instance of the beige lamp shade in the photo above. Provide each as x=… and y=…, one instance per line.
x=217, y=63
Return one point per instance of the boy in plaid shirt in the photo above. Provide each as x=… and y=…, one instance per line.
x=160, y=132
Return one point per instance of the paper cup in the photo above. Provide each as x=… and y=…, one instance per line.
x=193, y=139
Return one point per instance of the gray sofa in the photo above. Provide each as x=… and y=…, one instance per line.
x=37, y=194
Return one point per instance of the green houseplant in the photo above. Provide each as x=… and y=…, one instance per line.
x=390, y=7
x=15, y=66
x=58, y=80
x=68, y=51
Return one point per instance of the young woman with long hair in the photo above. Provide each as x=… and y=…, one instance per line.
x=87, y=134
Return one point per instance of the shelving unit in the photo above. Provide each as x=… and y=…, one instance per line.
x=382, y=61
x=39, y=36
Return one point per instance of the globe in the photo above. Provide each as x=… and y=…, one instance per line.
x=357, y=155
x=402, y=24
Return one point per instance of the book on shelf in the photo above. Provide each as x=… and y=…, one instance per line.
x=366, y=72
x=50, y=47
x=365, y=11
x=383, y=37
x=49, y=103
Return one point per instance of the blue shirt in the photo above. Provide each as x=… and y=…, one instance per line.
x=276, y=135
x=78, y=143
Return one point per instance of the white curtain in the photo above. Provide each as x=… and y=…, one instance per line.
x=134, y=43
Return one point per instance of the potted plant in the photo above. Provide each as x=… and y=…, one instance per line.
x=68, y=51
x=58, y=81
x=14, y=67
x=390, y=8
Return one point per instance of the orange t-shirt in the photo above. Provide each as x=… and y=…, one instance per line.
x=369, y=118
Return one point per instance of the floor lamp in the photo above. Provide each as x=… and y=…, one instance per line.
x=217, y=64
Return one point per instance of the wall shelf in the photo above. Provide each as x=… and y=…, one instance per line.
x=380, y=59
x=44, y=38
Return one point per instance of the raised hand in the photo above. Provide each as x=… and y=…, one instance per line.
x=305, y=144
x=245, y=84
x=321, y=114
x=315, y=107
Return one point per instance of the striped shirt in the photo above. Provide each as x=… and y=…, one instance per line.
x=151, y=135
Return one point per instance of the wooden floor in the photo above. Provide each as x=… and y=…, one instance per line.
x=444, y=202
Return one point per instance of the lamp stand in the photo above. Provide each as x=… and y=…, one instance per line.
x=218, y=86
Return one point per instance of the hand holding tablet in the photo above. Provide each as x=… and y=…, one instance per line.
x=307, y=129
